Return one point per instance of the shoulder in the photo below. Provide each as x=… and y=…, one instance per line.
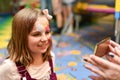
x=7, y=68
x=6, y=65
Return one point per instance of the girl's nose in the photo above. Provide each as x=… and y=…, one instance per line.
x=43, y=37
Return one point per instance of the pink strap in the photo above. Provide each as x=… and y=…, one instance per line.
x=51, y=65
x=24, y=73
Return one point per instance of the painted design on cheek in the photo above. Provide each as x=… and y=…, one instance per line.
x=50, y=39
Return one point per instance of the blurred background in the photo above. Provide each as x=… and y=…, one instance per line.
x=77, y=26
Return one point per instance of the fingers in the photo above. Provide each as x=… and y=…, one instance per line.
x=93, y=62
x=87, y=59
x=96, y=77
x=104, y=64
x=111, y=48
x=99, y=61
x=114, y=44
x=115, y=50
x=102, y=67
x=110, y=56
x=113, y=58
x=95, y=70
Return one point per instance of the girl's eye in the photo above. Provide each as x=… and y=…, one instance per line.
x=36, y=34
x=47, y=32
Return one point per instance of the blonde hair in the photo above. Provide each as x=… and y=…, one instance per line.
x=22, y=25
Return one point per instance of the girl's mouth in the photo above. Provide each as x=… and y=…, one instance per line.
x=42, y=44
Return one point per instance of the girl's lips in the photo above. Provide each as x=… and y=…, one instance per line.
x=43, y=45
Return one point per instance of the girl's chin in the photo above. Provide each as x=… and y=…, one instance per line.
x=43, y=50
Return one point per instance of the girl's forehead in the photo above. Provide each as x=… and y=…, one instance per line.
x=41, y=28
x=42, y=21
x=41, y=24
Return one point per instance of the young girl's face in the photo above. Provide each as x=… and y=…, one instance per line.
x=40, y=37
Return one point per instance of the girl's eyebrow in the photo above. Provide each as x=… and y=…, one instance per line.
x=34, y=32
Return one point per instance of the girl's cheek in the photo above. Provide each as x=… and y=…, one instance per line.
x=49, y=38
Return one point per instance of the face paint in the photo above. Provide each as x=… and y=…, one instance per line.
x=47, y=28
x=40, y=28
x=50, y=39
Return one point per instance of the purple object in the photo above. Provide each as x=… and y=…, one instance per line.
x=24, y=73
x=110, y=11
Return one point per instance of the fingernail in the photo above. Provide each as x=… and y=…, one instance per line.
x=111, y=54
x=85, y=60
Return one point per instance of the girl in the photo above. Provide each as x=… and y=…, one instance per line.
x=30, y=56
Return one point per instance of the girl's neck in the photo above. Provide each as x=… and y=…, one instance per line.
x=38, y=60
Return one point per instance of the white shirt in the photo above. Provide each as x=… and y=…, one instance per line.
x=8, y=70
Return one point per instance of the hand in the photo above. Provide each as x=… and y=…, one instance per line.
x=97, y=78
x=114, y=44
x=115, y=49
x=105, y=69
